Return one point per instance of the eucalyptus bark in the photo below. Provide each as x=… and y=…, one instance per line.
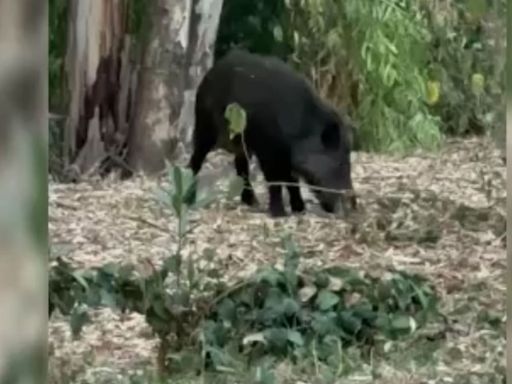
x=179, y=50
x=97, y=66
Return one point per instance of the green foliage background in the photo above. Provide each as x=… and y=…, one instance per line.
x=404, y=69
x=409, y=72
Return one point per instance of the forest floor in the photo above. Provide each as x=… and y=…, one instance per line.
x=440, y=215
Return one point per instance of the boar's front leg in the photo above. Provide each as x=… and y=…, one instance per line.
x=296, y=201
x=276, y=206
x=274, y=173
x=242, y=170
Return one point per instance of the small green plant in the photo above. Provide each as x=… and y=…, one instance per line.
x=283, y=313
x=289, y=314
x=167, y=305
x=253, y=25
x=277, y=312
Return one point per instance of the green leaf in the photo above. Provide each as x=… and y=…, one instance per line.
x=274, y=300
x=276, y=337
x=79, y=317
x=349, y=323
x=292, y=255
x=324, y=323
x=177, y=204
x=422, y=297
x=213, y=333
x=296, y=338
x=187, y=177
x=189, y=198
x=364, y=311
x=270, y=276
x=326, y=300
x=290, y=307
x=322, y=280
x=81, y=280
x=173, y=263
x=158, y=305
x=227, y=311
x=237, y=119
x=178, y=181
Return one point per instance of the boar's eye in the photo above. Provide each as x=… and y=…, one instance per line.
x=331, y=136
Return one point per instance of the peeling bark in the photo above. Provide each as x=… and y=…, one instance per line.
x=179, y=52
x=203, y=34
x=153, y=136
x=96, y=59
x=145, y=111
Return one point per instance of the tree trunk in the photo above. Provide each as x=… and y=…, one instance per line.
x=179, y=51
x=97, y=67
x=203, y=34
x=159, y=94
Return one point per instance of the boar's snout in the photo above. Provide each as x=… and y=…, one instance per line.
x=333, y=202
x=349, y=200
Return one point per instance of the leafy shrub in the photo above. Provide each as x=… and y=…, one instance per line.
x=371, y=58
x=287, y=313
x=253, y=25
x=408, y=71
x=282, y=313
x=467, y=64
x=275, y=312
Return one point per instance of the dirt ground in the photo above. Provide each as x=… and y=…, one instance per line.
x=441, y=215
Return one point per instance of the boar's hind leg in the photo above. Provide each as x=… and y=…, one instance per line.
x=197, y=159
x=242, y=170
x=296, y=202
x=203, y=141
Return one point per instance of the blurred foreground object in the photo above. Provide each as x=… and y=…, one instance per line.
x=23, y=190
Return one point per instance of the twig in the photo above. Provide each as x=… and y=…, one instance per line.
x=61, y=204
x=148, y=222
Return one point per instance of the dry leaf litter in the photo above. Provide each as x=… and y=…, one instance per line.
x=417, y=213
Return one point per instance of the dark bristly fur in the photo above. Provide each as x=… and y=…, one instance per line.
x=290, y=130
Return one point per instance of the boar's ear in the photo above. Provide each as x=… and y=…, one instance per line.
x=331, y=135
